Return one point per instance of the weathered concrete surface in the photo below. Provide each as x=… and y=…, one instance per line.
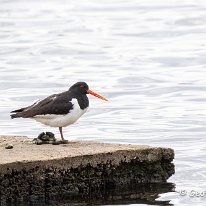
x=30, y=172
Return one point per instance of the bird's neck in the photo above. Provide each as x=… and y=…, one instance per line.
x=82, y=99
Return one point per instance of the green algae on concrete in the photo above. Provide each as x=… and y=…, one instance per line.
x=31, y=172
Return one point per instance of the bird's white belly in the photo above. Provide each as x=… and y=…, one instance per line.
x=55, y=120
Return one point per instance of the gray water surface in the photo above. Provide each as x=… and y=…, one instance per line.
x=147, y=57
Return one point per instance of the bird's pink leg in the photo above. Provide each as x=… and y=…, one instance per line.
x=60, y=130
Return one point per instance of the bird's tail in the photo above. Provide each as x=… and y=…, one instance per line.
x=17, y=113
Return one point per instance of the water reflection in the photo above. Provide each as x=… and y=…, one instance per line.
x=137, y=194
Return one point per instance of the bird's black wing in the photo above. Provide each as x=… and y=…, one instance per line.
x=54, y=104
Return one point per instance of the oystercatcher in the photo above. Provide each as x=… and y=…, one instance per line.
x=59, y=110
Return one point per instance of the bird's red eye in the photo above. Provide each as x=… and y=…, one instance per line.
x=82, y=86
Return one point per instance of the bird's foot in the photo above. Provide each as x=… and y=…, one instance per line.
x=66, y=142
x=63, y=141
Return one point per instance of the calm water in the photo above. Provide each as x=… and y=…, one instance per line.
x=147, y=57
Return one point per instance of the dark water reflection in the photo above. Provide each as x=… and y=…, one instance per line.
x=138, y=194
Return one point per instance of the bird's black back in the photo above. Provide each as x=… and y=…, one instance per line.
x=60, y=104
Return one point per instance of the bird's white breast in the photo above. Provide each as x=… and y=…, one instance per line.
x=56, y=120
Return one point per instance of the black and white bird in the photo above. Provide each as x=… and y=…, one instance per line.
x=59, y=110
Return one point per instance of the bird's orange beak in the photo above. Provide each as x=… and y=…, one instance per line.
x=96, y=95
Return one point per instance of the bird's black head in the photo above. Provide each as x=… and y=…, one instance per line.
x=81, y=87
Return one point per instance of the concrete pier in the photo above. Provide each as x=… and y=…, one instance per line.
x=52, y=173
